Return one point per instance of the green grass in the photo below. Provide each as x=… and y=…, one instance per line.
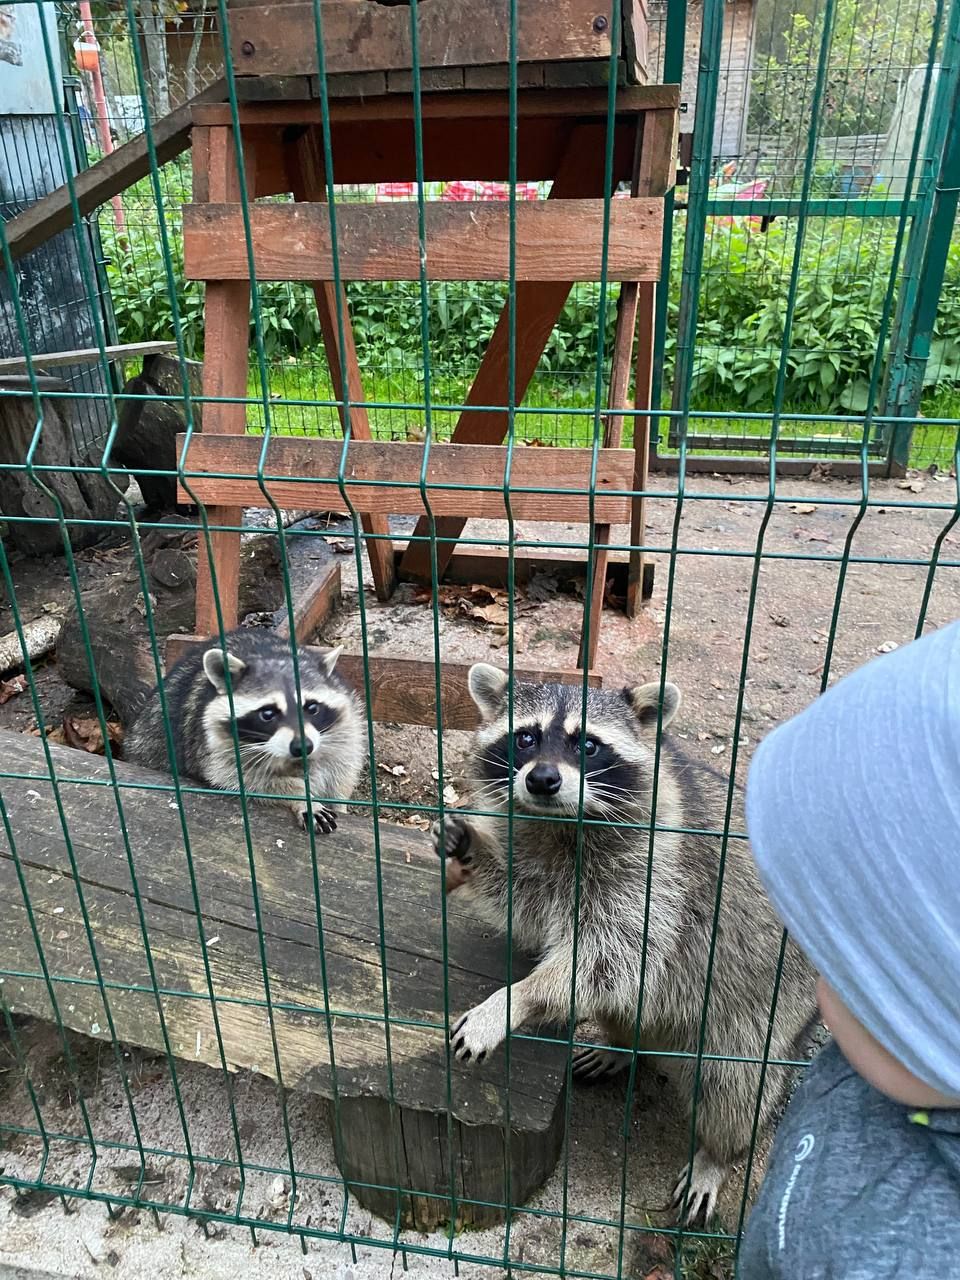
x=301, y=381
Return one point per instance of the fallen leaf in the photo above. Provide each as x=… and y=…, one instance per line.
x=395, y=770
x=803, y=508
x=496, y=614
x=888, y=646
x=450, y=794
x=716, y=683
x=416, y=435
x=341, y=545
x=86, y=735
x=10, y=688
x=779, y=619
x=914, y=486
x=719, y=749
x=818, y=537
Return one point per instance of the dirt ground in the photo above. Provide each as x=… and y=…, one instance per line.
x=703, y=640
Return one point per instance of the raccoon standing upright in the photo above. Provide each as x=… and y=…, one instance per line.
x=614, y=944
x=264, y=714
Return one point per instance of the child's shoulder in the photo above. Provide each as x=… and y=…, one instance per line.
x=855, y=1187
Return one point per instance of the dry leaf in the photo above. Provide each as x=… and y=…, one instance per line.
x=395, y=770
x=85, y=734
x=779, y=619
x=803, y=508
x=914, y=486
x=719, y=749
x=342, y=545
x=10, y=688
x=450, y=794
x=888, y=646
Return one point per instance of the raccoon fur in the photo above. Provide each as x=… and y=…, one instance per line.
x=612, y=952
x=265, y=714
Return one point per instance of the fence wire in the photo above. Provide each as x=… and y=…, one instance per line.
x=211, y=1015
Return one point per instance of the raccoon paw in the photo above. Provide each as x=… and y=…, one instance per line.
x=706, y=1180
x=452, y=839
x=481, y=1030
x=324, y=820
x=594, y=1065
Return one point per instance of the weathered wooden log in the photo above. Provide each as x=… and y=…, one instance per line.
x=115, y=614
x=147, y=430
x=82, y=496
x=389, y=1106
x=39, y=637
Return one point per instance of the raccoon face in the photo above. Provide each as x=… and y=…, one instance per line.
x=616, y=745
x=265, y=709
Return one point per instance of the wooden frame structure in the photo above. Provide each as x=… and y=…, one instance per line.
x=561, y=138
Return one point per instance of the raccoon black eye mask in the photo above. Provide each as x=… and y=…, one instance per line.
x=258, y=717
x=622, y=947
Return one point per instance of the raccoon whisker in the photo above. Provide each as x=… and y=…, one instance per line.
x=595, y=773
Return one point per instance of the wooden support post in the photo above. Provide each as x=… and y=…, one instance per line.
x=641, y=442
x=538, y=309
x=309, y=184
x=227, y=338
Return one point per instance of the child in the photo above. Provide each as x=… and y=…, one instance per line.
x=853, y=813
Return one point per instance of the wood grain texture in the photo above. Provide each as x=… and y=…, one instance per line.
x=403, y=690
x=278, y=39
x=226, y=343
x=556, y=240
x=309, y=184
x=384, y=476
x=314, y=606
x=411, y=894
x=85, y=355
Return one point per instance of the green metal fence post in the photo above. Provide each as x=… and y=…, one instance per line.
x=926, y=257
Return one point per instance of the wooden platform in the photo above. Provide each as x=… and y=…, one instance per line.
x=400, y=1140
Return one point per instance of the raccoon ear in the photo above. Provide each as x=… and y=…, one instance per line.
x=329, y=660
x=644, y=700
x=488, y=688
x=213, y=667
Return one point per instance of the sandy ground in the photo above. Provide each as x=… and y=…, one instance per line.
x=881, y=601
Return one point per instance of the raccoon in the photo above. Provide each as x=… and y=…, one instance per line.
x=267, y=725
x=612, y=951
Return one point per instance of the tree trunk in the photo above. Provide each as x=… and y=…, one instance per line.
x=199, y=23
x=154, y=33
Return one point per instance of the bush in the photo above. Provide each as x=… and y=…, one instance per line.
x=742, y=310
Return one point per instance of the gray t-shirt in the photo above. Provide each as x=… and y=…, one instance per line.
x=858, y=1187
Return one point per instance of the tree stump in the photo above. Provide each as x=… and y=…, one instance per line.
x=115, y=613
x=81, y=496
x=147, y=430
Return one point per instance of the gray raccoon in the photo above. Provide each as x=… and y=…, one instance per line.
x=620, y=738
x=265, y=714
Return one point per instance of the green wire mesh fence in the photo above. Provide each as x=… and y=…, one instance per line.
x=213, y=1014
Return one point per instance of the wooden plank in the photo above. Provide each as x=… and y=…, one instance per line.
x=636, y=577
x=309, y=184
x=384, y=476
x=53, y=213
x=488, y=565
x=410, y=881
x=279, y=39
x=555, y=240
x=314, y=606
x=404, y=689
x=226, y=343
x=86, y=355
x=635, y=41
x=538, y=306
x=571, y=105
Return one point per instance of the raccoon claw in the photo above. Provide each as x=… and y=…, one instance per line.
x=481, y=1030
x=594, y=1065
x=323, y=820
x=451, y=839
x=705, y=1182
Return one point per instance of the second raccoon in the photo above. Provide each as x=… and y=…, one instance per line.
x=264, y=714
x=625, y=953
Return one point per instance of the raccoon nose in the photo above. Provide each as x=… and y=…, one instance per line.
x=301, y=747
x=544, y=780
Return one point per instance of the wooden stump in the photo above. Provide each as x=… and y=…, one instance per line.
x=394, y=1129
x=147, y=430
x=83, y=496
x=115, y=613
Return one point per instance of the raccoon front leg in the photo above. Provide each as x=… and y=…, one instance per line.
x=458, y=842
x=543, y=993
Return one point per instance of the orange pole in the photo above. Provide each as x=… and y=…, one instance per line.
x=100, y=101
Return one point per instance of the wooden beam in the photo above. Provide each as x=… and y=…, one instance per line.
x=309, y=184
x=577, y=105
x=404, y=689
x=314, y=606
x=53, y=213
x=301, y=473
x=555, y=240
x=394, y=1129
x=86, y=355
x=226, y=354
x=279, y=39
x=538, y=307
